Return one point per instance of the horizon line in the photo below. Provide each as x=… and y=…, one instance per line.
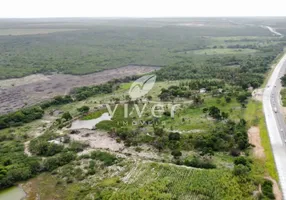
x=142, y=17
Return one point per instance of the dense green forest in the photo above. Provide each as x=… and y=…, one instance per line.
x=89, y=49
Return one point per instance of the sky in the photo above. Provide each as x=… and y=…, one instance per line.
x=140, y=8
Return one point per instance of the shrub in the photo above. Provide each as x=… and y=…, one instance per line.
x=200, y=163
x=52, y=163
x=267, y=189
x=67, y=116
x=174, y=136
x=20, y=117
x=240, y=170
x=77, y=146
x=176, y=153
x=44, y=148
x=83, y=109
x=235, y=152
x=107, y=158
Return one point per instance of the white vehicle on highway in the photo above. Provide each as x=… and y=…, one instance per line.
x=275, y=110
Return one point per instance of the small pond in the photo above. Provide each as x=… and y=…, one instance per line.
x=12, y=193
x=89, y=124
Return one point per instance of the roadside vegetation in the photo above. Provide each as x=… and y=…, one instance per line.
x=283, y=96
x=255, y=117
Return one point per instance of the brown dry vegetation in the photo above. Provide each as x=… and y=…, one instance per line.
x=28, y=91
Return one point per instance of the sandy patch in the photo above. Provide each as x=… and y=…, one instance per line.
x=97, y=140
x=146, y=152
x=23, y=81
x=101, y=140
x=284, y=111
x=257, y=94
x=26, y=148
x=254, y=139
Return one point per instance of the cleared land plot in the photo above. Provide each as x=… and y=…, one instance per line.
x=18, y=96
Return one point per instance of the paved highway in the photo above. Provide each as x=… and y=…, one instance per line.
x=275, y=121
x=272, y=30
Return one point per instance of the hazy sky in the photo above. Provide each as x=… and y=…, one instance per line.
x=140, y=8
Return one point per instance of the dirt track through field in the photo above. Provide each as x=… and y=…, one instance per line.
x=254, y=139
x=18, y=93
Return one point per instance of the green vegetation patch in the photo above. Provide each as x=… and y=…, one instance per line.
x=283, y=96
x=161, y=181
x=215, y=51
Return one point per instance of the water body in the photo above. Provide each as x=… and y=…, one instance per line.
x=12, y=193
x=89, y=124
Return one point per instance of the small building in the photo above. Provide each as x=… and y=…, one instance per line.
x=203, y=90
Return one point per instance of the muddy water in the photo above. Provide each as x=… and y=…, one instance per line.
x=13, y=193
x=89, y=124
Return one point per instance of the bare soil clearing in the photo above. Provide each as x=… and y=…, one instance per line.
x=254, y=139
x=26, y=148
x=257, y=94
x=101, y=140
x=97, y=140
x=22, y=92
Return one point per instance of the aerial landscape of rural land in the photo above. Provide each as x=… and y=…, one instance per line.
x=152, y=108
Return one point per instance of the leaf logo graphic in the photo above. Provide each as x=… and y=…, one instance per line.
x=142, y=86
